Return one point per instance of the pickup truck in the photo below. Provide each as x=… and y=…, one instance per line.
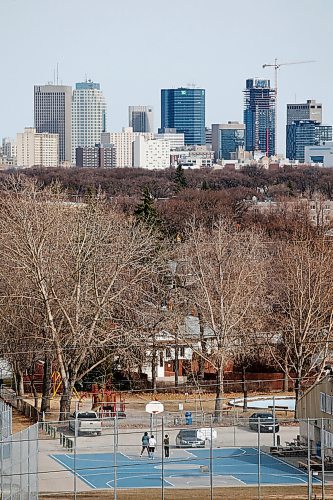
x=87, y=423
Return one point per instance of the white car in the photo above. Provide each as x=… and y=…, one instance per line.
x=87, y=423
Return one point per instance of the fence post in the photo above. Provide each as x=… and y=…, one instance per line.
x=309, y=462
x=21, y=459
x=115, y=446
x=234, y=414
x=211, y=458
x=36, y=466
x=29, y=489
x=75, y=445
x=322, y=450
x=162, y=451
x=1, y=462
x=274, y=422
x=259, y=462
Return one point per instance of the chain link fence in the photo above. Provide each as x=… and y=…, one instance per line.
x=19, y=465
x=192, y=453
x=201, y=454
x=5, y=420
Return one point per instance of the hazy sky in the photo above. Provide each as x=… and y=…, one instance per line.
x=134, y=48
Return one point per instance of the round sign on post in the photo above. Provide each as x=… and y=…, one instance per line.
x=154, y=407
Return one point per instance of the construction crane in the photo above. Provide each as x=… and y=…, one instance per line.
x=276, y=65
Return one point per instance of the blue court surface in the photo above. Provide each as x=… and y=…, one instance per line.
x=231, y=467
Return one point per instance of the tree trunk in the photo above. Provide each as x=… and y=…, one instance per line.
x=176, y=362
x=65, y=401
x=202, y=358
x=19, y=383
x=286, y=375
x=219, y=393
x=34, y=392
x=297, y=387
x=153, y=367
x=47, y=385
x=244, y=390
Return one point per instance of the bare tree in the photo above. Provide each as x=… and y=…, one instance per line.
x=302, y=307
x=226, y=271
x=86, y=265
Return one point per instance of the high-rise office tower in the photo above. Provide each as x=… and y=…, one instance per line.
x=140, y=118
x=309, y=110
x=184, y=110
x=302, y=133
x=259, y=116
x=53, y=114
x=227, y=139
x=88, y=115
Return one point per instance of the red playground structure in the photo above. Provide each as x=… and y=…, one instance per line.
x=107, y=403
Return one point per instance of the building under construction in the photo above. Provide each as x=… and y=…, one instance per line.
x=259, y=116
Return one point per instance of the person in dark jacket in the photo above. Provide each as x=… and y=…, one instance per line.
x=166, y=442
x=145, y=443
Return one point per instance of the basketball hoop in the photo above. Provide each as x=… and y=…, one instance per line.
x=154, y=407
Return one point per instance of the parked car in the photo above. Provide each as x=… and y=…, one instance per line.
x=188, y=438
x=87, y=423
x=267, y=422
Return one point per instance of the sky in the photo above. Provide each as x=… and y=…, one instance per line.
x=136, y=47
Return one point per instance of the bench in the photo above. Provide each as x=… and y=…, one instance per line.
x=279, y=408
x=314, y=465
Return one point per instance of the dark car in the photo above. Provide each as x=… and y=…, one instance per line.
x=188, y=438
x=267, y=422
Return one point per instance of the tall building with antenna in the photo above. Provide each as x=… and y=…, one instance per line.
x=88, y=115
x=53, y=114
x=259, y=116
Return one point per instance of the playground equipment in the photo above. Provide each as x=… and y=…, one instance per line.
x=106, y=402
x=57, y=384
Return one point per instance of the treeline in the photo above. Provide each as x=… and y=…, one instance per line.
x=281, y=182
x=179, y=194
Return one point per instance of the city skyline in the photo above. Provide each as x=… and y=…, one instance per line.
x=169, y=64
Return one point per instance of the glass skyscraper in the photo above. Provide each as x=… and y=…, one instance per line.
x=53, y=114
x=303, y=133
x=259, y=116
x=183, y=109
x=227, y=139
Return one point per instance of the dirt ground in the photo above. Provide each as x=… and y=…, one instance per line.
x=251, y=493
x=20, y=422
x=136, y=401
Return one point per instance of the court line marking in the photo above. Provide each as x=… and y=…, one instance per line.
x=158, y=476
x=78, y=457
x=300, y=474
x=286, y=463
x=72, y=471
x=230, y=475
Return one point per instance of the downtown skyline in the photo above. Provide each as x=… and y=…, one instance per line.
x=130, y=75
